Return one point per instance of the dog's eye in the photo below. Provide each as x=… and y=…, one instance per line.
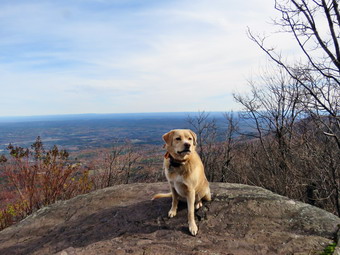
x=178, y=138
x=190, y=138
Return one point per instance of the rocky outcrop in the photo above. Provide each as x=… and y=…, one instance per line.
x=241, y=219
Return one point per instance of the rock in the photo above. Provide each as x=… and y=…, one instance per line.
x=240, y=219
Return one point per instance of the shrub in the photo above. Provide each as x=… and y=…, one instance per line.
x=39, y=178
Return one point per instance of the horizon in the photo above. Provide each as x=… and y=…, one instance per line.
x=56, y=117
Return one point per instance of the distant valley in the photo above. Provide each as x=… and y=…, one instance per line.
x=90, y=131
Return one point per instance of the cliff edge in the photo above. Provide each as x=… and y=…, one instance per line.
x=122, y=219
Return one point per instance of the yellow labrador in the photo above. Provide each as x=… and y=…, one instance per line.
x=185, y=173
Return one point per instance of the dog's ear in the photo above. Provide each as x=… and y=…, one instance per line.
x=194, y=136
x=168, y=137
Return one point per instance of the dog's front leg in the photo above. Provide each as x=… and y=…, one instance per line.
x=191, y=212
x=174, y=205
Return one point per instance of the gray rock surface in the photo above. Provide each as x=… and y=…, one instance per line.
x=241, y=219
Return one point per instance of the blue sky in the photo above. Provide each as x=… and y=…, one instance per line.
x=119, y=56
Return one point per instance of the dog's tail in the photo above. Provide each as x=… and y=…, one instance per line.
x=160, y=195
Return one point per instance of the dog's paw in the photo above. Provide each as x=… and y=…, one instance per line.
x=172, y=213
x=193, y=229
x=199, y=205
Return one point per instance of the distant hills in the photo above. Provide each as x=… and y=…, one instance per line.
x=88, y=131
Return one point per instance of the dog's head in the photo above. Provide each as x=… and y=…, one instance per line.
x=180, y=143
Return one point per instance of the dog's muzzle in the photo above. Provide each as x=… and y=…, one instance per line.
x=186, y=149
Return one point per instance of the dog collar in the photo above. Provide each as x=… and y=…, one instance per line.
x=174, y=162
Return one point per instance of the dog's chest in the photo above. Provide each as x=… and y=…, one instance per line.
x=176, y=179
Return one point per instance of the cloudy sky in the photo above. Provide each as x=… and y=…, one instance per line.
x=119, y=56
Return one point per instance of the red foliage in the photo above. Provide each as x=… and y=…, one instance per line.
x=36, y=178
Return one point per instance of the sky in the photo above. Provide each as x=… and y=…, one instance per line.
x=127, y=56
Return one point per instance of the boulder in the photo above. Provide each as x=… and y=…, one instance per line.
x=122, y=219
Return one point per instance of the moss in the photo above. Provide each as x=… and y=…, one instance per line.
x=329, y=250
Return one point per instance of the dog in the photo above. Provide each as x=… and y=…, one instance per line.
x=184, y=171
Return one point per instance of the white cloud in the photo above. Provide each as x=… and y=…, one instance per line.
x=110, y=56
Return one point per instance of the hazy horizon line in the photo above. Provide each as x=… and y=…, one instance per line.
x=69, y=116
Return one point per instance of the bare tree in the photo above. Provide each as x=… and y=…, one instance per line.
x=206, y=130
x=111, y=159
x=315, y=26
x=228, y=146
x=105, y=167
x=272, y=108
x=129, y=159
x=216, y=145
x=115, y=165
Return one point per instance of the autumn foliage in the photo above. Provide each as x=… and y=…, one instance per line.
x=38, y=178
x=34, y=177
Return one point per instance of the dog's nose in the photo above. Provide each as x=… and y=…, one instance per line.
x=187, y=145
